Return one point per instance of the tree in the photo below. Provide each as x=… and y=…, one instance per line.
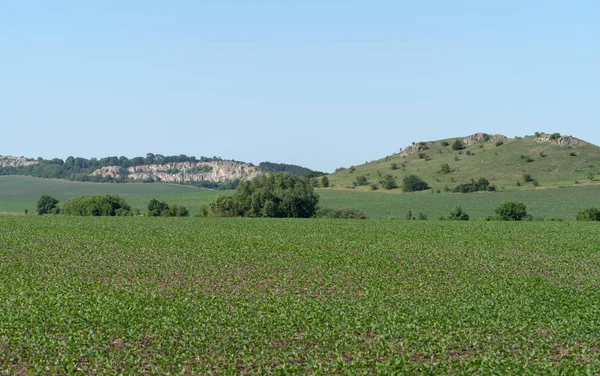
x=458, y=145
x=324, y=182
x=590, y=214
x=47, y=205
x=277, y=195
x=157, y=208
x=512, y=211
x=202, y=211
x=107, y=205
x=361, y=180
x=388, y=182
x=413, y=183
x=458, y=215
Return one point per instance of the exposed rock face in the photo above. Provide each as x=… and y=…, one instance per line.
x=217, y=171
x=561, y=141
x=8, y=161
x=482, y=137
x=422, y=146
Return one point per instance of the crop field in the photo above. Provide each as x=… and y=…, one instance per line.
x=272, y=296
x=18, y=193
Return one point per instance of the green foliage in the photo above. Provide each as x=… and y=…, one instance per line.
x=413, y=183
x=590, y=214
x=345, y=213
x=527, y=178
x=572, y=154
x=555, y=136
x=47, y=205
x=482, y=184
x=499, y=143
x=96, y=206
x=156, y=208
x=527, y=158
x=277, y=195
x=288, y=168
x=388, y=182
x=590, y=176
x=203, y=211
x=458, y=145
x=458, y=215
x=361, y=180
x=444, y=143
x=512, y=211
x=324, y=182
x=352, y=169
x=394, y=166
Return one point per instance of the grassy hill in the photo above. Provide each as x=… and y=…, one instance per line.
x=551, y=161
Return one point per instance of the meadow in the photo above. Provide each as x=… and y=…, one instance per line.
x=18, y=193
x=275, y=296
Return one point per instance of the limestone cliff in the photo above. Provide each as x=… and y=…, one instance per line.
x=217, y=171
x=8, y=161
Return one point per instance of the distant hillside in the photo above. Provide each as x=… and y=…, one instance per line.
x=288, y=168
x=207, y=172
x=539, y=161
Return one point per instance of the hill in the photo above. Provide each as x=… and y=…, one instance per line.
x=539, y=161
x=213, y=172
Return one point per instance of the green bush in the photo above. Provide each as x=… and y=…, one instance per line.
x=388, y=182
x=590, y=214
x=361, y=180
x=458, y=215
x=527, y=178
x=444, y=143
x=346, y=213
x=445, y=169
x=475, y=186
x=162, y=209
x=413, y=183
x=97, y=206
x=512, y=211
x=47, y=205
x=499, y=143
x=458, y=145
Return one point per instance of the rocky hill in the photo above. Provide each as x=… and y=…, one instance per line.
x=216, y=171
x=8, y=161
x=531, y=162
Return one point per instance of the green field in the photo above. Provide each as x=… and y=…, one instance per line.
x=18, y=193
x=238, y=296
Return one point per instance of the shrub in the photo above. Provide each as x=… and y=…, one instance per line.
x=361, y=180
x=458, y=145
x=512, y=211
x=527, y=158
x=444, y=143
x=445, y=169
x=394, y=166
x=535, y=183
x=352, y=169
x=388, y=182
x=413, y=183
x=374, y=186
x=481, y=184
x=346, y=213
x=458, y=215
x=572, y=154
x=555, y=136
x=590, y=176
x=527, y=178
x=499, y=143
x=422, y=156
x=324, y=182
x=590, y=214
x=202, y=211
x=47, y=205
x=95, y=206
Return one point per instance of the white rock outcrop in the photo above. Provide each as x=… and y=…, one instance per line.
x=8, y=161
x=217, y=171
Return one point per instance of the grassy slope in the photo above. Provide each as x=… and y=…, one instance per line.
x=261, y=296
x=18, y=193
x=501, y=165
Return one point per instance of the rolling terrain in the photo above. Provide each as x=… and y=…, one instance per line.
x=549, y=160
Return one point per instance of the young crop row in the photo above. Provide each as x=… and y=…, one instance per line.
x=231, y=296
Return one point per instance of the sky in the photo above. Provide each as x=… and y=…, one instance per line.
x=321, y=84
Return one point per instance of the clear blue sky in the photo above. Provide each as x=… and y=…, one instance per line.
x=316, y=83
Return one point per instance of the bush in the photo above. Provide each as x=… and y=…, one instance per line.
x=324, y=182
x=47, y=205
x=388, y=182
x=475, y=186
x=346, y=213
x=527, y=178
x=394, y=166
x=97, y=206
x=413, y=183
x=277, y=195
x=512, y=211
x=458, y=215
x=444, y=143
x=499, y=143
x=361, y=180
x=445, y=169
x=458, y=145
x=162, y=209
x=590, y=214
